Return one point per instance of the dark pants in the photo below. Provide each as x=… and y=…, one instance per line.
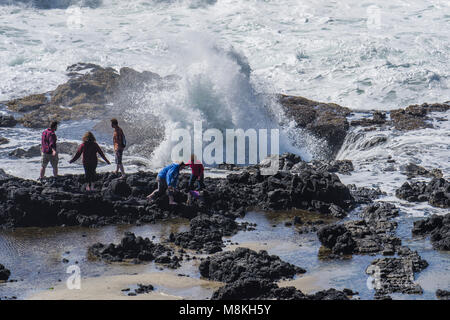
x=162, y=186
x=199, y=180
x=89, y=173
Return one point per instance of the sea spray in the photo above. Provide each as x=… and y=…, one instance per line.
x=215, y=87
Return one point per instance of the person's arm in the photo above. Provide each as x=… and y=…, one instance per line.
x=78, y=154
x=100, y=152
x=52, y=143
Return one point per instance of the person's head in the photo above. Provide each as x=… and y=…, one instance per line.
x=114, y=123
x=182, y=165
x=88, y=137
x=54, y=125
x=193, y=158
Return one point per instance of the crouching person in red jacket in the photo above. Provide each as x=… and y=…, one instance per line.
x=89, y=149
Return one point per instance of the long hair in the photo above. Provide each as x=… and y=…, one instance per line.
x=88, y=137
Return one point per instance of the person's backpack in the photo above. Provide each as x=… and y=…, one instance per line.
x=124, y=140
x=45, y=141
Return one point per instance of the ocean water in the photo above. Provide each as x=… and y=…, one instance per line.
x=361, y=54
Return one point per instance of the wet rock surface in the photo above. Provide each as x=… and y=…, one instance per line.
x=413, y=171
x=206, y=232
x=63, y=201
x=262, y=289
x=35, y=151
x=363, y=195
x=137, y=249
x=443, y=294
x=7, y=121
x=436, y=192
x=397, y=274
x=374, y=234
x=3, y=140
x=438, y=227
x=4, y=273
x=141, y=289
x=416, y=116
x=244, y=263
x=325, y=120
x=378, y=118
x=335, y=166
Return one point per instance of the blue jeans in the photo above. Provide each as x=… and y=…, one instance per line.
x=199, y=180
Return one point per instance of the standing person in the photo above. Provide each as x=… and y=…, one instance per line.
x=197, y=173
x=167, y=179
x=48, y=148
x=89, y=149
x=119, y=145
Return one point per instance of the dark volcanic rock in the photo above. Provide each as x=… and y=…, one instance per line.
x=364, y=195
x=415, y=116
x=137, y=249
x=3, y=140
x=63, y=201
x=379, y=211
x=372, y=235
x=7, y=121
x=378, y=118
x=206, y=233
x=438, y=227
x=436, y=192
x=325, y=120
x=142, y=288
x=412, y=171
x=35, y=151
x=397, y=274
x=4, y=273
x=245, y=289
x=4, y=176
x=443, y=294
x=337, y=238
x=263, y=289
x=26, y=104
x=244, y=263
x=338, y=166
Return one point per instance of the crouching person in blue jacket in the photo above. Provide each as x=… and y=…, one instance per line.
x=167, y=180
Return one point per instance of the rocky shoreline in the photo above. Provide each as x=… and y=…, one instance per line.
x=95, y=92
x=311, y=187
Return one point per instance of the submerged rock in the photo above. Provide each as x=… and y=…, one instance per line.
x=7, y=121
x=436, y=192
x=4, y=273
x=244, y=263
x=136, y=249
x=438, y=227
x=412, y=171
x=3, y=140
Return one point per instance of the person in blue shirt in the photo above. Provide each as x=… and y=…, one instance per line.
x=167, y=180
